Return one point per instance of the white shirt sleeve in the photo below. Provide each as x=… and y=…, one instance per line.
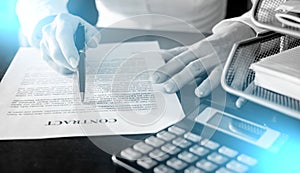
x=245, y=18
x=32, y=12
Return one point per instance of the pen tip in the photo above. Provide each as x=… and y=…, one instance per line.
x=82, y=96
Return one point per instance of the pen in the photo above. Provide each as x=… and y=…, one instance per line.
x=80, y=45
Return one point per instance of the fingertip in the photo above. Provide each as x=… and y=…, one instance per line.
x=94, y=40
x=158, y=77
x=166, y=56
x=170, y=87
x=155, y=77
x=202, y=90
x=209, y=84
x=177, y=50
x=240, y=102
x=92, y=43
x=199, y=93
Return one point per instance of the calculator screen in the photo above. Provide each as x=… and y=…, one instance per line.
x=236, y=126
x=243, y=129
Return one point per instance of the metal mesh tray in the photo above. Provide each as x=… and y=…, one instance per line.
x=263, y=15
x=238, y=79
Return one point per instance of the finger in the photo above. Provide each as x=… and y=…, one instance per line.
x=202, y=48
x=94, y=40
x=167, y=55
x=209, y=84
x=47, y=58
x=190, y=72
x=66, y=27
x=92, y=34
x=173, y=66
x=53, y=49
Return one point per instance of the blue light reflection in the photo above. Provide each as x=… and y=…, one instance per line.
x=286, y=160
x=8, y=17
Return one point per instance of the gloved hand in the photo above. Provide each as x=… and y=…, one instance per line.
x=57, y=43
x=184, y=64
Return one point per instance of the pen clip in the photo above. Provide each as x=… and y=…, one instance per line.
x=80, y=37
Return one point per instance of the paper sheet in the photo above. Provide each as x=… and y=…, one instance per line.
x=279, y=73
x=37, y=102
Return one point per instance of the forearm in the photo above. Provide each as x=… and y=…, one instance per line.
x=245, y=18
x=33, y=14
x=235, y=31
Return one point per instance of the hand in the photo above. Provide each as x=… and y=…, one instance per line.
x=57, y=43
x=184, y=64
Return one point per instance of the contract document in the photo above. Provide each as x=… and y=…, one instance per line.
x=38, y=102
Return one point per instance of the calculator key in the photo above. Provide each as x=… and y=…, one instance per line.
x=154, y=141
x=169, y=148
x=176, y=164
x=192, y=137
x=164, y=135
x=176, y=130
x=181, y=142
x=223, y=170
x=142, y=147
x=163, y=169
x=200, y=151
x=247, y=159
x=193, y=169
x=209, y=144
x=206, y=165
x=187, y=157
x=146, y=162
x=130, y=154
x=228, y=152
x=236, y=166
x=158, y=155
x=217, y=158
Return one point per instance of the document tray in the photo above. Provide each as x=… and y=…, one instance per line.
x=263, y=15
x=237, y=78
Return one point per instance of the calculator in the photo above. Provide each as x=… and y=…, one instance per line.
x=214, y=142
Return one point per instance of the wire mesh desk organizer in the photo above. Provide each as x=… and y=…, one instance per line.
x=264, y=15
x=238, y=79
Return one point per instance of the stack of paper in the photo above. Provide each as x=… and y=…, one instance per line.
x=280, y=73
